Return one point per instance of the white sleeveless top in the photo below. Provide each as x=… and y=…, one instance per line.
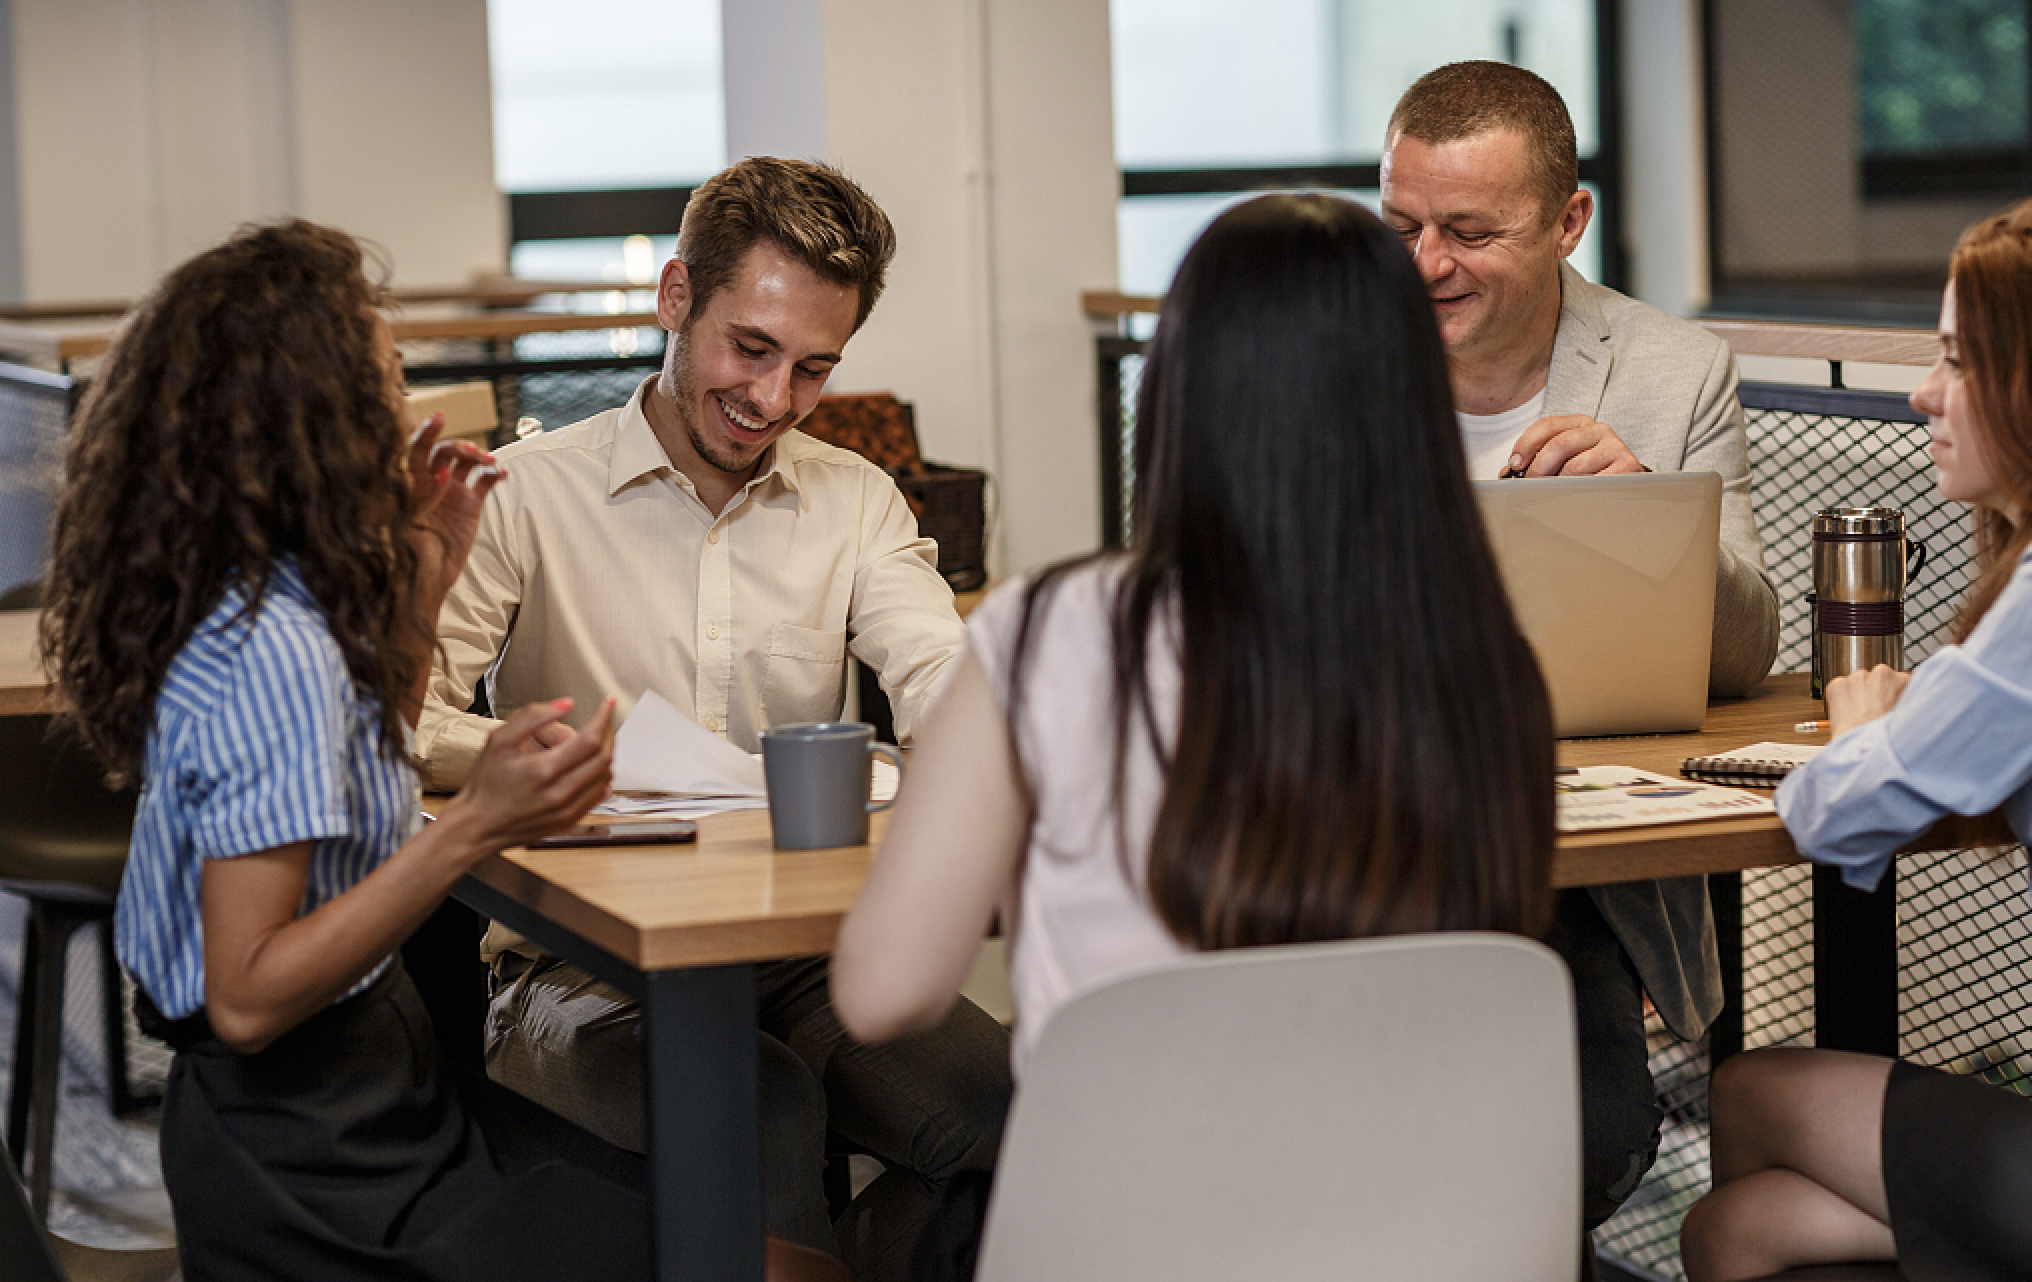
x=1077, y=915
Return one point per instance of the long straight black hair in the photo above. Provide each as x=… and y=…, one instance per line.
x=1364, y=744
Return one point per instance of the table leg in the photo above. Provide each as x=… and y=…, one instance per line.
x=1855, y=963
x=704, y=1127
x=1725, y=1035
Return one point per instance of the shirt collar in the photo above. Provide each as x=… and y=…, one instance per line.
x=637, y=452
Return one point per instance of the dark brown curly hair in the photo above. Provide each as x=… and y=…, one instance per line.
x=242, y=418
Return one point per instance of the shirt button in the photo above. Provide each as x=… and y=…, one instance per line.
x=712, y=631
x=713, y=535
x=713, y=724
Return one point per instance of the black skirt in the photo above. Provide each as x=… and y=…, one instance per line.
x=1958, y=1174
x=343, y=1150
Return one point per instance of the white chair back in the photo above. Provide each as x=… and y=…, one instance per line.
x=1395, y=1108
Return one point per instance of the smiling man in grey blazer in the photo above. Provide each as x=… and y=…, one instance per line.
x=1554, y=376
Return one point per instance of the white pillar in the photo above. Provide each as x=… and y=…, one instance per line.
x=985, y=129
x=1665, y=154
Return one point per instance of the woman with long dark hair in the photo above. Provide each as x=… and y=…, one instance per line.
x=250, y=551
x=1823, y=1156
x=1297, y=708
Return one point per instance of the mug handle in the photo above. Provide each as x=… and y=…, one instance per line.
x=895, y=759
x=1914, y=564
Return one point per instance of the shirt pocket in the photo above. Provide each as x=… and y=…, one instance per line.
x=807, y=675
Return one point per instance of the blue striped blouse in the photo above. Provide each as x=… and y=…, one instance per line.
x=260, y=740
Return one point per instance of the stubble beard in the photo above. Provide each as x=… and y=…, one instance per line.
x=684, y=397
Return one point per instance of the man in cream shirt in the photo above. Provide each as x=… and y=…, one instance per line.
x=693, y=544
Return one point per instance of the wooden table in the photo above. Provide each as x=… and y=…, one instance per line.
x=23, y=688
x=1855, y=934
x=1717, y=845
x=681, y=927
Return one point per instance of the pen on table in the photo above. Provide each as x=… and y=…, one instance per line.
x=1812, y=727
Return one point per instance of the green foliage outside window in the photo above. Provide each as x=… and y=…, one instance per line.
x=1941, y=75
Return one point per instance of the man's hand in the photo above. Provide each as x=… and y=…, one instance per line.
x=1863, y=696
x=1571, y=445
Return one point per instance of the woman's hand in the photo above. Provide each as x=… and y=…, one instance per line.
x=536, y=776
x=450, y=480
x=1863, y=696
x=268, y=969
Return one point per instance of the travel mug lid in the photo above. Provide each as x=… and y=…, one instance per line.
x=1850, y=522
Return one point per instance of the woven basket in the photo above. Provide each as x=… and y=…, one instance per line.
x=951, y=506
x=950, y=502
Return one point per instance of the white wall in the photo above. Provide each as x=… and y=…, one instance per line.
x=1053, y=188
x=149, y=129
x=983, y=128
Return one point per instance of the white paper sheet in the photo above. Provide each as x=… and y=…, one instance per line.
x=668, y=766
x=1598, y=797
x=659, y=749
x=662, y=805
x=886, y=781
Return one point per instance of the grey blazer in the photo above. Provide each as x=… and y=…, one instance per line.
x=1668, y=388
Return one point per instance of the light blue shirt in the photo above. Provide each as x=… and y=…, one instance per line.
x=1958, y=742
x=260, y=740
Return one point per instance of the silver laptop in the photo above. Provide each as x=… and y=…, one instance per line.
x=1612, y=579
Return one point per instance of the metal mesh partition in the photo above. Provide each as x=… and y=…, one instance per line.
x=35, y=405
x=555, y=378
x=1812, y=449
x=1964, y=929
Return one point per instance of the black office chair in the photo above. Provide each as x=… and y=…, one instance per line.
x=63, y=845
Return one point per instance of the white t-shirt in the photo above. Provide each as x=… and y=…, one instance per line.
x=1079, y=914
x=1487, y=438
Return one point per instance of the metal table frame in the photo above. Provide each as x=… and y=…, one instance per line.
x=699, y=1087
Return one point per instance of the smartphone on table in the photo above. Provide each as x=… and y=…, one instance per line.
x=660, y=833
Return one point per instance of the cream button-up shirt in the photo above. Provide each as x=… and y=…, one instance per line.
x=598, y=571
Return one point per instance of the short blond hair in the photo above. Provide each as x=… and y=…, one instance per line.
x=1468, y=99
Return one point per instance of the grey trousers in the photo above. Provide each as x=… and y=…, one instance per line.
x=1619, y=1113
x=929, y=1107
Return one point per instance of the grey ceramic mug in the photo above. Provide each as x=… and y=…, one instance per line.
x=819, y=775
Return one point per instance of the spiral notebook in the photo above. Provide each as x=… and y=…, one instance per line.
x=1761, y=765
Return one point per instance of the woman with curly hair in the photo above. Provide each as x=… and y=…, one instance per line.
x=250, y=552
x=1821, y=1155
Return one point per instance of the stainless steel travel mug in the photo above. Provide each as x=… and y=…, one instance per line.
x=1859, y=578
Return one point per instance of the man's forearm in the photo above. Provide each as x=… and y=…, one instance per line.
x=1745, y=628
x=448, y=741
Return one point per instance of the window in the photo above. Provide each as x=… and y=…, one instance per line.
x=1215, y=99
x=606, y=113
x=1941, y=96
x=1850, y=144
